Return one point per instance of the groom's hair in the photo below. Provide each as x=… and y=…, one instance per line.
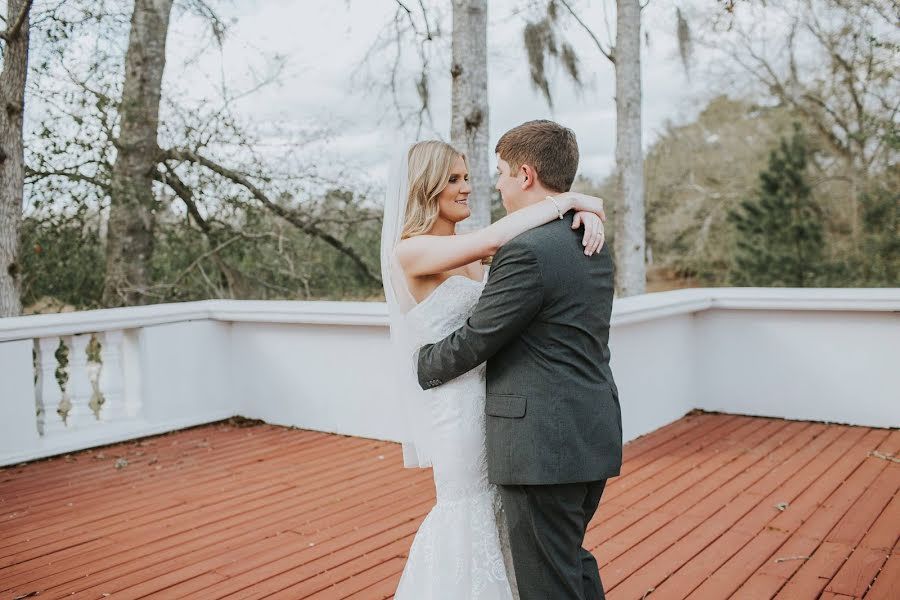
x=548, y=147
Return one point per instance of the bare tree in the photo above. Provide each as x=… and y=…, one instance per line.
x=469, y=114
x=76, y=146
x=419, y=23
x=12, y=159
x=416, y=27
x=305, y=223
x=129, y=245
x=832, y=62
x=625, y=55
x=631, y=271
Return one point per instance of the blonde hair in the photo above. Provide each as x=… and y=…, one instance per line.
x=429, y=172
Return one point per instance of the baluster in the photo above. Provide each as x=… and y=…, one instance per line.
x=94, y=367
x=79, y=387
x=111, y=377
x=39, y=410
x=50, y=392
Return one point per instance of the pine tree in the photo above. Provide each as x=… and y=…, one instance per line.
x=780, y=238
x=877, y=262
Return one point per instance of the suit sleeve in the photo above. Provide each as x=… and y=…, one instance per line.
x=511, y=298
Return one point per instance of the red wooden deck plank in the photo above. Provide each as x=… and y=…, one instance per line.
x=763, y=566
x=647, y=507
x=59, y=474
x=726, y=538
x=750, y=541
x=151, y=553
x=333, y=534
x=655, y=459
x=137, y=479
x=887, y=582
x=829, y=523
x=672, y=459
x=193, y=526
x=715, y=519
x=257, y=524
x=690, y=509
x=269, y=512
x=857, y=574
x=665, y=433
x=382, y=590
x=126, y=487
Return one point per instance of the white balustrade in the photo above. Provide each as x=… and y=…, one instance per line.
x=39, y=409
x=800, y=354
x=111, y=381
x=79, y=385
x=52, y=395
x=83, y=392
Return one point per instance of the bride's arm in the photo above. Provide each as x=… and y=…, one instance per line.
x=429, y=254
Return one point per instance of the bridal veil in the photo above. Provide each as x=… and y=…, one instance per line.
x=414, y=418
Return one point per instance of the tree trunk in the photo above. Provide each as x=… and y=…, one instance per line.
x=469, y=116
x=12, y=155
x=630, y=226
x=129, y=245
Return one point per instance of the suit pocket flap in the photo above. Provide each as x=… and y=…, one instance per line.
x=505, y=405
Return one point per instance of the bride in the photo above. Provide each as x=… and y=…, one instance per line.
x=433, y=279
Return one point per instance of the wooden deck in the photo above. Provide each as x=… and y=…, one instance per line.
x=712, y=506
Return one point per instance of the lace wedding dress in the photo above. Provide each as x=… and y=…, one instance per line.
x=461, y=551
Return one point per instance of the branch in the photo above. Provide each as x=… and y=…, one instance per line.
x=779, y=89
x=824, y=106
x=203, y=10
x=74, y=176
x=169, y=178
x=834, y=52
x=584, y=26
x=13, y=31
x=214, y=252
x=606, y=21
x=412, y=21
x=792, y=57
x=288, y=215
x=890, y=120
x=428, y=35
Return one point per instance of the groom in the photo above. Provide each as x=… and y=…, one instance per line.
x=554, y=428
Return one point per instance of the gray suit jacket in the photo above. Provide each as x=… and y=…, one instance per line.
x=542, y=325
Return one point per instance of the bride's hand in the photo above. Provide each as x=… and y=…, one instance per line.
x=585, y=203
x=593, y=231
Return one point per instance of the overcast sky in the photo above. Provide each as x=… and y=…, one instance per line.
x=323, y=41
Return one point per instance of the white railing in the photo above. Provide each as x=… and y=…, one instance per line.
x=75, y=380
x=79, y=382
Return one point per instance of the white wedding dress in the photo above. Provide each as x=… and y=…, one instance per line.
x=461, y=551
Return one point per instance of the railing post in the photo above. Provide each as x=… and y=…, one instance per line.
x=50, y=393
x=18, y=426
x=39, y=379
x=112, y=382
x=79, y=386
